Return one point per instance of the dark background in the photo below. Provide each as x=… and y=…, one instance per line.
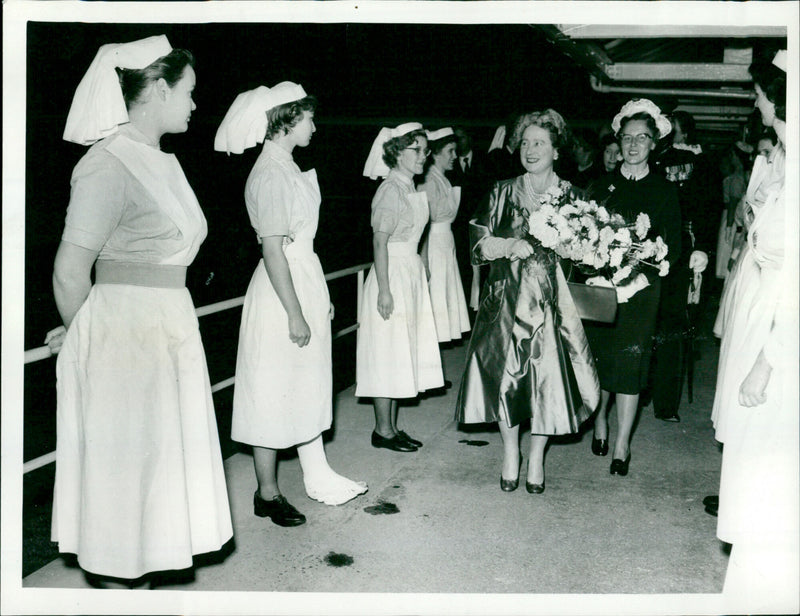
x=364, y=75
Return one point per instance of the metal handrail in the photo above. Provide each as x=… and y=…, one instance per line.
x=43, y=352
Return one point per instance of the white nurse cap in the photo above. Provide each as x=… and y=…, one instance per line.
x=98, y=106
x=245, y=123
x=375, y=167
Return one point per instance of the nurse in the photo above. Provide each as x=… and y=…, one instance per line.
x=139, y=486
x=283, y=393
x=439, y=251
x=397, y=354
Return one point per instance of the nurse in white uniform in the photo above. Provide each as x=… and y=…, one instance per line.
x=397, y=354
x=139, y=486
x=283, y=392
x=439, y=250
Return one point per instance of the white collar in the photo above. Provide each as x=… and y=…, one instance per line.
x=628, y=174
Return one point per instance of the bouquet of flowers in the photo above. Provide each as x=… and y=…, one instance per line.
x=596, y=239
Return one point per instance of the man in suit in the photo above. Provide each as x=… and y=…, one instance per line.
x=469, y=172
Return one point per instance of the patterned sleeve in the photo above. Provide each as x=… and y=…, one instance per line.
x=273, y=199
x=385, y=209
x=97, y=200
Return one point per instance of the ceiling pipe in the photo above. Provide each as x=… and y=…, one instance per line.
x=597, y=86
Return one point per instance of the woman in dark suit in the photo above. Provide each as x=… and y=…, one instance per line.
x=622, y=349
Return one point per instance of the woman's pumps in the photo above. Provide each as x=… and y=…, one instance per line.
x=509, y=485
x=534, y=488
x=620, y=467
x=599, y=446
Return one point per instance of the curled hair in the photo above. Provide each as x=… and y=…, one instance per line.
x=170, y=68
x=438, y=145
x=687, y=124
x=548, y=119
x=772, y=82
x=606, y=140
x=281, y=119
x=393, y=147
x=641, y=116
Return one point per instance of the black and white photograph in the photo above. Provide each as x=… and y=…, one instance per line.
x=400, y=307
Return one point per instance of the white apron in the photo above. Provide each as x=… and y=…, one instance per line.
x=399, y=357
x=139, y=484
x=447, y=293
x=283, y=393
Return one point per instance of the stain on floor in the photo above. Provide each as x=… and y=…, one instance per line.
x=338, y=560
x=473, y=443
x=382, y=508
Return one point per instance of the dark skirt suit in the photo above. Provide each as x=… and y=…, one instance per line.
x=528, y=356
x=622, y=349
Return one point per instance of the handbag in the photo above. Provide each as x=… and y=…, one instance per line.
x=594, y=303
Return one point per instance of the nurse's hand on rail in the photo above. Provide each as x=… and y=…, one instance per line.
x=55, y=338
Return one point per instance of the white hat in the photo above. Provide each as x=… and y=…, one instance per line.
x=434, y=135
x=780, y=60
x=499, y=138
x=98, y=106
x=647, y=106
x=245, y=123
x=375, y=167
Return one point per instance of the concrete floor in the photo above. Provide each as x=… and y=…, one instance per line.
x=642, y=543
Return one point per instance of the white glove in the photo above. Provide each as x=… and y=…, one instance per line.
x=625, y=292
x=492, y=248
x=599, y=281
x=698, y=261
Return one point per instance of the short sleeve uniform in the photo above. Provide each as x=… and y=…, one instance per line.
x=139, y=483
x=447, y=293
x=398, y=357
x=283, y=392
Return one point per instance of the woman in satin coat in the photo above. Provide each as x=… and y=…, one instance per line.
x=528, y=357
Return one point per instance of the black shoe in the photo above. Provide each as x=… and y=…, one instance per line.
x=508, y=485
x=599, y=446
x=620, y=467
x=396, y=443
x=278, y=510
x=711, y=504
x=671, y=416
x=534, y=488
x=411, y=441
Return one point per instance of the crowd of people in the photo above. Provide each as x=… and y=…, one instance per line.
x=139, y=480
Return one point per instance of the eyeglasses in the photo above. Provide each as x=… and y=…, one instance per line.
x=640, y=139
x=419, y=151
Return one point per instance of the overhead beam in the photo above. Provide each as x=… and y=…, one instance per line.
x=611, y=31
x=665, y=71
x=599, y=86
